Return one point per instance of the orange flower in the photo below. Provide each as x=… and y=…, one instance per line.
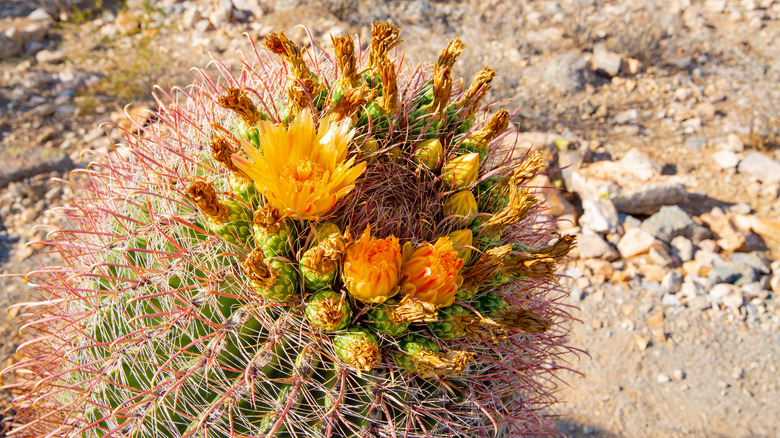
x=372, y=267
x=430, y=272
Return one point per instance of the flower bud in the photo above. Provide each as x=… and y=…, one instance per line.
x=462, y=204
x=429, y=153
x=461, y=171
x=462, y=241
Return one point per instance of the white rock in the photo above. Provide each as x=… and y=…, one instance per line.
x=663, y=378
x=671, y=300
x=726, y=159
x=682, y=248
x=252, y=6
x=690, y=289
x=735, y=143
x=761, y=167
x=636, y=241
x=774, y=283
x=39, y=14
x=600, y=216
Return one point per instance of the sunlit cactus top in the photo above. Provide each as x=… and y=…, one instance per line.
x=305, y=246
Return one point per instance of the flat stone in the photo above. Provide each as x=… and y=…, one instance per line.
x=567, y=73
x=636, y=241
x=761, y=167
x=252, y=6
x=694, y=144
x=593, y=246
x=755, y=260
x=18, y=165
x=671, y=300
x=726, y=159
x=669, y=222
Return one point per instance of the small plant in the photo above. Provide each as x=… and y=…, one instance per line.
x=318, y=247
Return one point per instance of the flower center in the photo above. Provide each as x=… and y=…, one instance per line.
x=444, y=262
x=303, y=173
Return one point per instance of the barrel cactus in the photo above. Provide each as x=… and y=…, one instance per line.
x=308, y=246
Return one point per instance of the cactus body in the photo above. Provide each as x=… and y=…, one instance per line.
x=224, y=295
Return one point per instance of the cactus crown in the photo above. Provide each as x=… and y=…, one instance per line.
x=212, y=285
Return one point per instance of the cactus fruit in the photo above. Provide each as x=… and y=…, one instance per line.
x=211, y=285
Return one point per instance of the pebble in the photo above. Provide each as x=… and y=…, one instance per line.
x=636, y=241
x=593, y=246
x=672, y=282
x=600, y=216
x=694, y=144
x=671, y=300
x=726, y=159
x=678, y=374
x=761, y=167
x=663, y=378
x=669, y=222
x=682, y=247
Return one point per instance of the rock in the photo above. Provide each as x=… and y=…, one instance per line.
x=678, y=374
x=694, y=144
x=754, y=260
x=222, y=13
x=567, y=73
x=671, y=300
x=726, y=159
x=672, y=282
x=636, y=159
x=731, y=238
x=730, y=272
x=761, y=167
x=653, y=274
x=669, y=222
x=774, y=283
x=604, y=62
x=600, y=216
x=632, y=189
x=682, y=247
x=735, y=143
x=661, y=256
x=636, y=241
x=49, y=56
x=251, y=6
x=753, y=290
x=593, y=246
x=32, y=162
x=663, y=378
x=715, y=5
x=726, y=293
x=190, y=17
x=39, y=14
x=690, y=289
x=650, y=198
x=740, y=208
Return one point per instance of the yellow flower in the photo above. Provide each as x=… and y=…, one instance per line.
x=372, y=267
x=301, y=170
x=430, y=272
